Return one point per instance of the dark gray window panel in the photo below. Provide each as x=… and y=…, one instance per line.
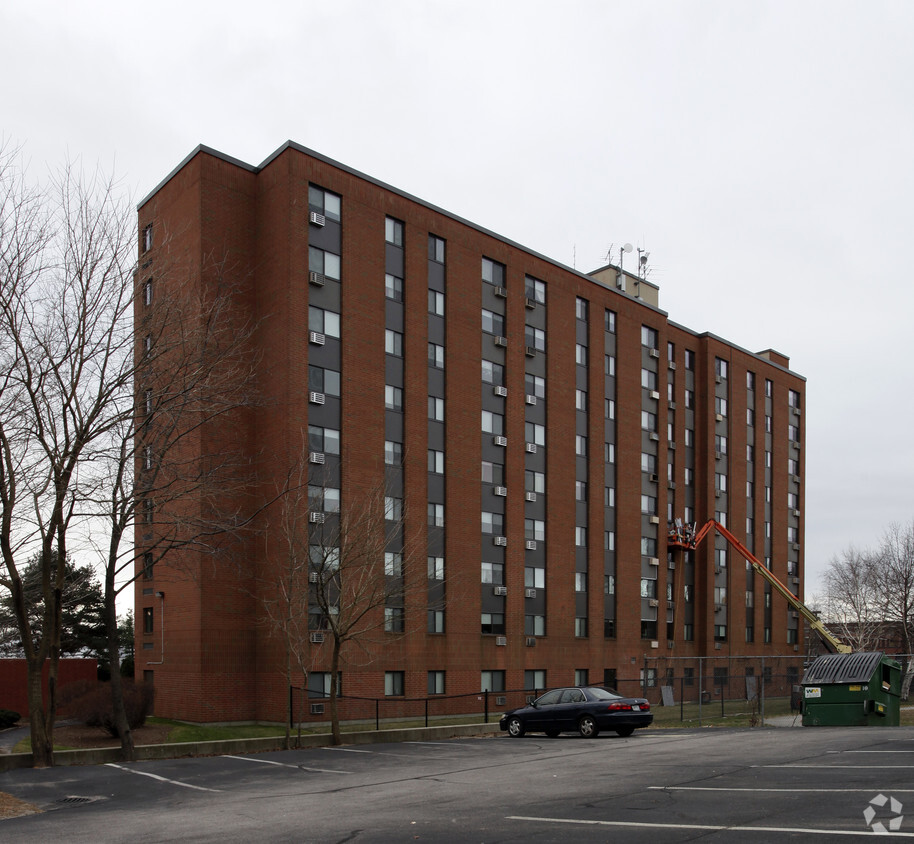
x=436, y=593
x=327, y=237
x=580, y=604
x=580, y=377
x=535, y=412
x=436, y=382
x=536, y=365
x=436, y=488
x=490, y=601
x=491, y=502
x=436, y=540
x=327, y=356
x=436, y=329
x=436, y=276
x=327, y=474
x=327, y=415
x=393, y=259
x=492, y=402
x=328, y=297
x=393, y=315
x=580, y=556
x=580, y=513
x=537, y=462
x=393, y=426
x=537, y=605
x=436, y=435
x=580, y=332
x=536, y=317
x=393, y=370
x=492, y=302
x=580, y=425
x=609, y=344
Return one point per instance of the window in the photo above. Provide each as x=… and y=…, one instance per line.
x=648, y=379
x=689, y=398
x=580, y=445
x=580, y=400
x=648, y=421
x=436, y=568
x=534, y=481
x=435, y=409
x=325, y=263
x=648, y=588
x=324, y=440
x=534, y=680
x=393, y=287
x=534, y=625
x=609, y=321
x=535, y=386
x=534, y=577
x=147, y=292
x=609, y=540
x=492, y=681
x=320, y=683
x=689, y=360
x=493, y=272
x=793, y=398
x=535, y=433
x=436, y=355
x=720, y=632
x=393, y=453
x=580, y=309
x=580, y=536
x=324, y=499
x=148, y=459
x=324, y=202
x=580, y=490
x=535, y=338
x=720, y=444
x=436, y=621
x=492, y=622
x=393, y=231
x=609, y=496
x=435, y=249
x=720, y=367
x=580, y=354
x=720, y=482
x=492, y=373
x=148, y=625
x=609, y=365
x=493, y=323
x=720, y=406
x=393, y=683
x=435, y=302
x=750, y=380
x=393, y=564
x=148, y=511
x=580, y=581
x=649, y=505
x=492, y=423
x=393, y=397
x=436, y=461
x=147, y=402
x=393, y=508
x=325, y=381
x=648, y=337
x=580, y=627
x=492, y=523
x=609, y=584
x=750, y=417
x=769, y=387
x=720, y=594
x=493, y=573
x=648, y=546
x=535, y=529
x=436, y=515
x=324, y=322
x=535, y=289
x=436, y=682
x=393, y=342
x=493, y=473
x=146, y=241
x=393, y=620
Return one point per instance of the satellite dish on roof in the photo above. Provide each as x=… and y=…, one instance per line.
x=627, y=248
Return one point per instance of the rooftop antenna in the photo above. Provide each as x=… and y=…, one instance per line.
x=643, y=255
x=620, y=278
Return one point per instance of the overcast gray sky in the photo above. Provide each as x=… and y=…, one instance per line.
x=762, y=152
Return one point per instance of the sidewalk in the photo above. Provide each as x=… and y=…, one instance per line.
x=10, y=737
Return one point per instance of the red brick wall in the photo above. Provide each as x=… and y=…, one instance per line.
x=14, y=680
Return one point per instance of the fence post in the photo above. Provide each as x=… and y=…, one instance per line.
x=426, y=712
x=681, y=698
x=486, y=693
x=762, y=695
x=377, y=714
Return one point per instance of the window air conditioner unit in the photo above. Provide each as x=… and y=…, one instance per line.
x=654, y=602
x=317, y=219
x=654, y=561
x=655, y=395
x=501, y=490
x=796, y=546
x=501, y=641
x=795, y=478
x=501, y=292
x=655, y=520
x=500, y=540
x=530, y=448
x=500, y=700
x=655, y=353
x=719, y=417
x=317, y=638
x=316, y=518
x=529, y=593
x=530, y=545
x=655, y=437
x=530, y=303
x=530, y=351
x=718, y=379
x=499, y=440
x=501, y=341
x=794, y=614
x=671, y=565
x=796, y=411
x=717, y=493
x=671, y=405
x=655, y=644
x=500, y=391
x=314, y=577
x=530, y=641
x=654, y=477
x=499, y=590
x=671, y=485
x=315, y=278
x=530, y=399
x=316, y=338
x=718, y=455
x=671, y=444
x=530, y=496
x=316, y=398
x=794, y=445
x=671, y=364
x=316, y=457
x=718, y=607
x=317, y=709
x=795, y=513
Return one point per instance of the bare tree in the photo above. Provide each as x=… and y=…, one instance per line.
x=853, y=598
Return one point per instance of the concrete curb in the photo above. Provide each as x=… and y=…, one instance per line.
x=104, y=755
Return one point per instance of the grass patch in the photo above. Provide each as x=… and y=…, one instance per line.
x=181, y=733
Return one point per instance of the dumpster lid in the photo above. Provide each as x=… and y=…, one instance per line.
x=843, y=668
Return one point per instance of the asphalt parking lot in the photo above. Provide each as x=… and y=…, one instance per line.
x=657, y=785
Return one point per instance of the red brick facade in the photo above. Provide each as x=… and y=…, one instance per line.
x=215, y=662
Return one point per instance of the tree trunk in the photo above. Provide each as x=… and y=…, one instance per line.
x=334, y=677
x=41, y=738
x=121, y=723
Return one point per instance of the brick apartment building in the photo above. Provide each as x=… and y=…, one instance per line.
x=544, y=427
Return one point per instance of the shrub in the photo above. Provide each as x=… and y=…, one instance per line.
x=91, y=704
x=8, y=718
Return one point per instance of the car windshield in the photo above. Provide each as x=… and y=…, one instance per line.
x=602, y=694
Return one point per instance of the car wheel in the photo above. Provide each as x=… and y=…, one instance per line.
x=552, y=733
x=515, y=727
x=625, y=732
x=587, y=727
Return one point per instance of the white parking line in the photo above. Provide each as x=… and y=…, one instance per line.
x=346, y=750
x=161, y=779
x=708, y=827
x=839, y=767
x=285, y=765
x=868, y=789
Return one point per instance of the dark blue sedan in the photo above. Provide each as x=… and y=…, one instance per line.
x=586, y=709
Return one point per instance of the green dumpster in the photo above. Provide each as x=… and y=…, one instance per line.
x=852, y=690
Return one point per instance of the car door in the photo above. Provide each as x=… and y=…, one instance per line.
x=569, y=709
x=544, y=713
